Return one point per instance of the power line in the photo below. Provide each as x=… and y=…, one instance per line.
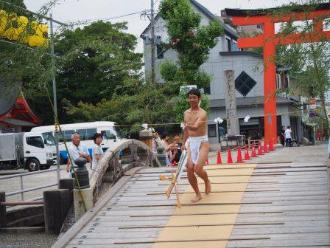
x=33, y=13
x=88, y=21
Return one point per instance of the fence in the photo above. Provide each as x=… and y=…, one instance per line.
x=8, y=182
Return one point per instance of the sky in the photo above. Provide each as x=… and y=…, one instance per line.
x=80, y=10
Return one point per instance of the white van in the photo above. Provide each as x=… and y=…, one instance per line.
x=31, y=150
x=87, y=130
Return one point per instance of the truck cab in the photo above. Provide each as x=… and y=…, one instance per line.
x=39, y=150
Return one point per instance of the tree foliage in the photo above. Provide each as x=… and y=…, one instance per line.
x=19, y=64
x=96, y=62
x=308, y=63
x=98, y=74
x=191, y=41
x=92, y=64
x=141, y=103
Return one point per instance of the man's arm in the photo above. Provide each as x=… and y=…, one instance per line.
x=185, y=133
x=197, y=124
x=88, y=158
x=85, y=154
x=71, y=155
x=68, y=165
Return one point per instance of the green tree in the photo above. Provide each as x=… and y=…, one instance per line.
x=309, y=63
x=138, y=103
x=95, y=62
x=21, y=65
x=14, y=6
x=92, y=64
x=191, y=41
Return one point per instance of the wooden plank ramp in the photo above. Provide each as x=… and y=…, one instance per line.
x=251, y=205
x=300, y=200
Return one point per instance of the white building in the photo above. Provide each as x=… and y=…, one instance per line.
x=248, y=70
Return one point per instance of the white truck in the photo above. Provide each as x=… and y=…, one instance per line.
x=30, y=150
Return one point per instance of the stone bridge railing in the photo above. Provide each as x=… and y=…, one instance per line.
x=124, y=155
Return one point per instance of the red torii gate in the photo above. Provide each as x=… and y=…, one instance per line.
x=269, y=40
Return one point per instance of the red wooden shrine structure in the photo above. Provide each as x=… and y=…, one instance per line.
x=19, y=115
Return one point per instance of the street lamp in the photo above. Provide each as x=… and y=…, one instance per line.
x=218, y=121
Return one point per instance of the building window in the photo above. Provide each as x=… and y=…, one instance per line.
x=284, y=81
x=234, y=46
x=160, y=51
x=212, y=130
x=244, y=83
x=228, y=44
x=35, y=141
x=207, y=90
x=278, y=83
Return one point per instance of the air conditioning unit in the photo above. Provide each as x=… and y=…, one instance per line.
x=185, y=88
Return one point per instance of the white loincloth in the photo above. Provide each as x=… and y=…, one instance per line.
x=194, y=144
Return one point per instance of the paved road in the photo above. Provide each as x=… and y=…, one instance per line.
x=30, y=181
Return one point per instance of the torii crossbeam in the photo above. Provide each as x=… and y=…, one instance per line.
x=268, y=40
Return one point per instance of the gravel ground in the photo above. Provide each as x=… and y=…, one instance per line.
x=26, y=240
x=317, y=153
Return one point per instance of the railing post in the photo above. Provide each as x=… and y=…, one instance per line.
x=55, y=209
x=22, y=188
x=328, y=172
x=3, y=211
x=67, y=183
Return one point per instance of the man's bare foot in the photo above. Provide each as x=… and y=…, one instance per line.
x=208, y=187
x=197, y=198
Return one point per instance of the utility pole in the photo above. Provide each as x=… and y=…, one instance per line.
x=52, y=50
x=153, y=58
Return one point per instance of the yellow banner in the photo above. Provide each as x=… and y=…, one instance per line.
x=19, y=28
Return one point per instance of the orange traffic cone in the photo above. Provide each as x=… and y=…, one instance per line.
x=219, y=160
x=253, y=152
x=259, y=150
x=239, y=155
x=246, y=155
x=229, y=158
x=271, y=146
x=265, y=148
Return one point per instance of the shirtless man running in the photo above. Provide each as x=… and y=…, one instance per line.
x=196, y=140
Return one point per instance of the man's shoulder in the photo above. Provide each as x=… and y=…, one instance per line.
x=187, y=111
x=71, y=147
x=203, y=113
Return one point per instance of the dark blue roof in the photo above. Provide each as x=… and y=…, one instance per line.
x=210, y=15
x=203, y=9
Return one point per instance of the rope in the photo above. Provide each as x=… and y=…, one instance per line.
x=72, y=171
x=298, y=112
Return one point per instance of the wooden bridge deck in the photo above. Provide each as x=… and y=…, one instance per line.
x=252, y=205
